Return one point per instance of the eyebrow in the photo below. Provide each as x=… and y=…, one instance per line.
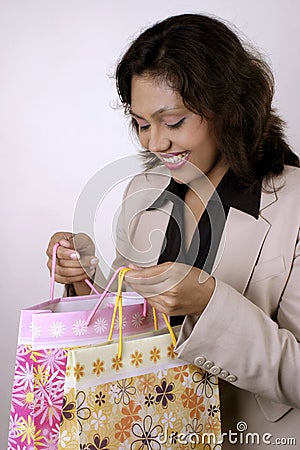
x=158, y=112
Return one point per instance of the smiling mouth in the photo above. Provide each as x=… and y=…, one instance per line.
x=175, y=160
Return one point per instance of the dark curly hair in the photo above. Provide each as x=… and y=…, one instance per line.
x=219, y=79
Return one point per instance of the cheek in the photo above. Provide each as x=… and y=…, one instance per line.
x=142, y=139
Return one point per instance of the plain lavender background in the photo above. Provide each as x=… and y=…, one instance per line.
x=58, y=124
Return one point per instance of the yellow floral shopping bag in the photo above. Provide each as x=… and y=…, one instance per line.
x=138, y=397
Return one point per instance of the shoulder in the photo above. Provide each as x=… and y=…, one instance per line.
x=288, y=182
x=282, y=192
x=154, y=179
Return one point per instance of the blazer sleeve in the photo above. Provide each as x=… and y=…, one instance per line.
x=239, y=342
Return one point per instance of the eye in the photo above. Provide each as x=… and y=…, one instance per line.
x=144, y=127
x=140, y=125
x=176, y=125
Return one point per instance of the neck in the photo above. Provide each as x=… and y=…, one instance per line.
x=206, y=185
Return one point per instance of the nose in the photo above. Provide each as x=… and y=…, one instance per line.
x=158, y=142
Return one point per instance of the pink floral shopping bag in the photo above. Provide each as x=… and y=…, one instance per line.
x=46, y=333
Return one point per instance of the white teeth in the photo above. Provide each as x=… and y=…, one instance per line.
x=176, y=159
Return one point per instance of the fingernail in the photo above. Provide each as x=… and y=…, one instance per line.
x=94, y=261
x=65, y=243
x=75, y=255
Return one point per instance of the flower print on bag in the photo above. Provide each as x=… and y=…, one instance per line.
x=68, y=409
x=22, y=398
x=27, y=430
x=41, y=375
x=83, y=412
x=171, y=352
x=213, y=410
x=194, y=429
x=206, y=383
x=194, y=403
x=117, y=322
x=78, y=371
x=48, y=403
x=155, y=354
x=97, y=419
x=117, y=363
x=130, y=413
x=99, y=444
x=213, y=426
x=24, y=376
x=36, y=330
x=164, y=393
x=54, y=359
x=137, y=320
x=79, y=327
x=147, y=435
x=22, y=352
x=122, y=431
x=100, y=398
x=149, y=400
x=57, y=329
x=100, y=325
x=145, y=383
x=181, y=372
x=136, y=358
x=98, y=367
x=123, y=390
x=168, y=420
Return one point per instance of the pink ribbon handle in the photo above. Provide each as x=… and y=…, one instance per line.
x=102, y=296
x=52, y=282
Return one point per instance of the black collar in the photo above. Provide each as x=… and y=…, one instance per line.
x=230, y=191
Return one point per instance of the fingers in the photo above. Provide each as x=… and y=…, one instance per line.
x=165, y=305
x=63, y=237
x=83, y=244
x=71, y=265
x=149, y=276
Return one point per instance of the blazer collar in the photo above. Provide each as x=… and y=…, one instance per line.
x=241, y=242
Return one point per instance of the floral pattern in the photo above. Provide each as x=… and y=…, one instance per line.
x=133, y=413
x=37, y=398
x=205, y=382
x=164, y=393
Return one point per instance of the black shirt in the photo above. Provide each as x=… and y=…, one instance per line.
x=206, y=239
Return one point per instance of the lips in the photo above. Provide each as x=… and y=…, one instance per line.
x=175, y=160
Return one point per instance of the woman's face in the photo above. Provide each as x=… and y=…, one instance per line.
x=168, y=129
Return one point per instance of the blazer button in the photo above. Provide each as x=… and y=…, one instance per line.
x=215, y=370
x=208, y=365
x=224, y=373
x=231, y=378
x=199, y=361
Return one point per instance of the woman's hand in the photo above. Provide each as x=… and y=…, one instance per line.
x=76, y=258
x=173, y=288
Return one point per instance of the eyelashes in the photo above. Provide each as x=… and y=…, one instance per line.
x=177, y=124
x=172, y=126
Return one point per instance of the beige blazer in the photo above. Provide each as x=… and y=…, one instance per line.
x=249, y=333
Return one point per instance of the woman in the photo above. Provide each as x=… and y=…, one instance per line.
x=200, y=104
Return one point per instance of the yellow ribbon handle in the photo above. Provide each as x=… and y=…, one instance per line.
x=173, y=337
x=118, y=306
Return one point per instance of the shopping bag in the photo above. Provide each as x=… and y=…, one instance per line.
x=138, y=397
x=46, y=333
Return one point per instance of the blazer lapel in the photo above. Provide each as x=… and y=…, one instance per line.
x=240, y=244
x=146, y=245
